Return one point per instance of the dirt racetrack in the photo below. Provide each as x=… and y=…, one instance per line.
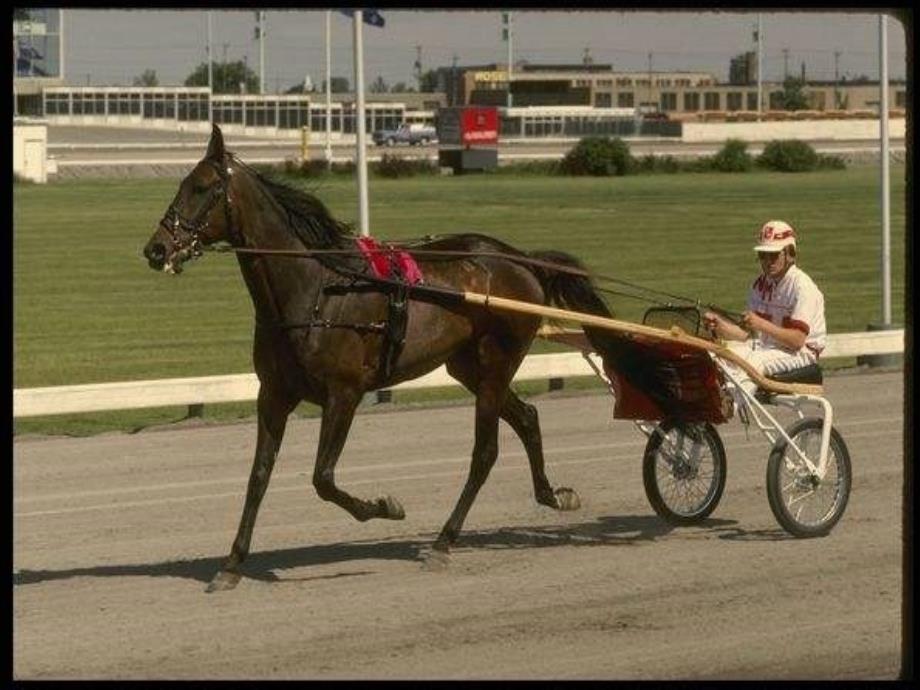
x=116, y=536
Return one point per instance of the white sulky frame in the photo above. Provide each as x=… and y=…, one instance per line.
x=749, y=407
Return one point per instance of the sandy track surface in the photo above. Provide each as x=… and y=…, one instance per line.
x=116, y=536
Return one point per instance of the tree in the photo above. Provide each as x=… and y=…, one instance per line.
x=428, y=82
x=227, y=77
x=339, y=85
x=402, y=87
x=793, y=96
x=379, y=86
x=147, y=78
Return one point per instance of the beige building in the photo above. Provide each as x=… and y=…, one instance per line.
x=679, y=94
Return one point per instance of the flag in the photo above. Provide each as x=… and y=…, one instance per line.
x=372, y=17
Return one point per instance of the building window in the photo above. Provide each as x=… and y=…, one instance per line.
x=711, y=100
x=626, y=99
x=603, y=100
x=691, y=101
x=681, y=82
x=900, y=99
x=605, y=83
x=57, y=104
x=668, y=101
x=752, y=100
x=733, y=100
x=623, y=81
x=662, y=82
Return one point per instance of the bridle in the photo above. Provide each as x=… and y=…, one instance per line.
x=185, y=233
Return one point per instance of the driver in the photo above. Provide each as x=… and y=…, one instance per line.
x=783, y=326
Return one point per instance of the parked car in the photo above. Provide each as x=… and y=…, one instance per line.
x=411, y=134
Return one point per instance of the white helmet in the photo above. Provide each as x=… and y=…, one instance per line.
x=774, y=235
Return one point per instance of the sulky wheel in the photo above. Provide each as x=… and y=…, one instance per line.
x=804, y=505
x=684, y=471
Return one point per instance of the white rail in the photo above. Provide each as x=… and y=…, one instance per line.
x=127, y=395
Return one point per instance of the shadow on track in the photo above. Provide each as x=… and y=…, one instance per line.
x=621, y=530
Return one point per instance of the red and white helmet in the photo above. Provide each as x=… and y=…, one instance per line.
x=774, y=235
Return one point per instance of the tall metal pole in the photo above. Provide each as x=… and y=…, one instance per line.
x=61, y=34
x=883, y=130
x=15, y=67
x=210, y=73
x=759, y=67
x=510, y=99
x=261, y=51
x=836, y=79
x=328, y=89
x=359, y=117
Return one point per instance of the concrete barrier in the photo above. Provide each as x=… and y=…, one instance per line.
x=127, y=395
x=810, y=130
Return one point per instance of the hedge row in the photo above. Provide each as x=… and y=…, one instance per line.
x=605, y=156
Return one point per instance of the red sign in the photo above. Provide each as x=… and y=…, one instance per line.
x=479, y=126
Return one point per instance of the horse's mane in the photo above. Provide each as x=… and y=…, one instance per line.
x=310, y=221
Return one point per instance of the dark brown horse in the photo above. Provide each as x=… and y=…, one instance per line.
x=321, y=328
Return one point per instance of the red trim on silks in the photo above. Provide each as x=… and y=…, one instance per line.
x=815, y=350
x=387, y=262
x=796, y=324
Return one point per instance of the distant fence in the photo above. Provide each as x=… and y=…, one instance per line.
x=126, y=395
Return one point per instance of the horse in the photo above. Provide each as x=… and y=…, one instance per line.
x=321, y=336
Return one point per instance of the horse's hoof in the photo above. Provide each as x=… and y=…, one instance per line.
x=223, y=581
x=390, y=508
x=566, y=499
x=436, y=560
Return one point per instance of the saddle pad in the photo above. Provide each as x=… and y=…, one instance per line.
x=388, y=262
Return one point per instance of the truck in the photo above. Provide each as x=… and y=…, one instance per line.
x=412, y=134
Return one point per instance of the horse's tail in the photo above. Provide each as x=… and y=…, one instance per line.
x=574, y=292
x=565, y=289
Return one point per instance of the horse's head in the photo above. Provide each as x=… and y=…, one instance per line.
x=199, y=215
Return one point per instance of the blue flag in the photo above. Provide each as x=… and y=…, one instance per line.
x=372, y=17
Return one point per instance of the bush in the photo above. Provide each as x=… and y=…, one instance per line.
x=650, y=163
x=397, y=166
x=733, y=157
x=831, y=163
x=317, y=168
x=534, y=167
x=598, y=156
x=788, y=156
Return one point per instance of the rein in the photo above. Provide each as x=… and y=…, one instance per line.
x=456, y=253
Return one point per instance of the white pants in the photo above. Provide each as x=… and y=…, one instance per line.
x=767, y=361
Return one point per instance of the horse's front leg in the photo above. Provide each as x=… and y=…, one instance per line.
x=273, y=411
x=338, y=413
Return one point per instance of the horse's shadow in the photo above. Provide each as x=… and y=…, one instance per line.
x=604, y=531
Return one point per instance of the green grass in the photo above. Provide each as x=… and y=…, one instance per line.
x=88, y=309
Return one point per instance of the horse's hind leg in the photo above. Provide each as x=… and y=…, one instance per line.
x=273, y=411
x=523, y=418
x=488, y=373
x=338, y=413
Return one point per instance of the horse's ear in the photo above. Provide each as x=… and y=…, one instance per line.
x=216, y=145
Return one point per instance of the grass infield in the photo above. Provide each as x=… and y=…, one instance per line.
x=87, y=308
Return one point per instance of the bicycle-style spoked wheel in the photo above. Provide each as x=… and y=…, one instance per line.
x=683, y=471
x=804, y=505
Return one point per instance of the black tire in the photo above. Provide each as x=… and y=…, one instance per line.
x=820, y=504
x=678, y=458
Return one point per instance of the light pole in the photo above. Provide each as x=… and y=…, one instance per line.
x=759, y=35
x=328, y=90
x=210, y=74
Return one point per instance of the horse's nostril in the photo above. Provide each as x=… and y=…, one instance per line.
x=156, y=254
